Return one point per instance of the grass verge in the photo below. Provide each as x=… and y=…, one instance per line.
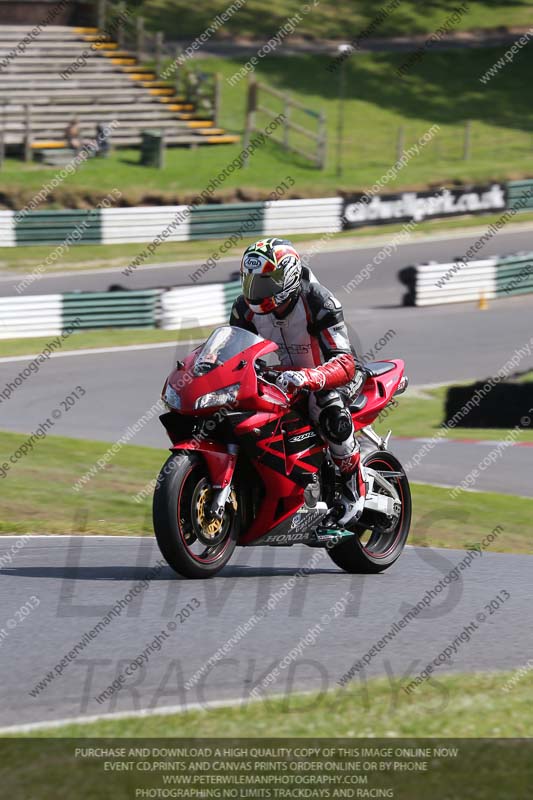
x=37, y=497
x=381, y=108
x=467, y=705
x=329, y=20
x=422, y=415
x=37, y=493
x=111, y=337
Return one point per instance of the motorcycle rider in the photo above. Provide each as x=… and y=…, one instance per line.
x=282, y=301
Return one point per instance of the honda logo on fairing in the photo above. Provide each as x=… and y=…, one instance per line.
x=282, y=538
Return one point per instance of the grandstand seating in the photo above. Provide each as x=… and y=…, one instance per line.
x=111, y=86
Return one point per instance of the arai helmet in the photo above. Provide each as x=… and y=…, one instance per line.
x=271, y=273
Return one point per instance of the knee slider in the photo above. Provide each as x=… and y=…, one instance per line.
x=336, y=424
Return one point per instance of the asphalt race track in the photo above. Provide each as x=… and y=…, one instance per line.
x=336, y=264
x=78, y=580
x=121, y=386
x=439, y=344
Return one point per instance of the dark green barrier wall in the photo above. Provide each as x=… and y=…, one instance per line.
x=135, y=309
x=59, y=227
x=217, y=221
x=514, y=274
x=516, y=191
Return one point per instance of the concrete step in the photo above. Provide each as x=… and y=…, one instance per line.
x=83, y=83
x=85, y=121
x=59, y=57
x=40, y=68
x=91, y=112
x=86, y=131
x=89, y=95
x=58, y=48
x=63, y=29
x=170, y=141
x=57, y=62
x=110, y=85
x=46, y=35
x=82, y=78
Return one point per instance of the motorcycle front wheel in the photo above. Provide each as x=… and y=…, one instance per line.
x=193, y=543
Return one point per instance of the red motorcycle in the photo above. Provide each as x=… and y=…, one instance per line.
x=248, y=468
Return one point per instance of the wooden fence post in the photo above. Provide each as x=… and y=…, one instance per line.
x=158, y=52
x=120, y=26
x=28, y=134
x=217, y=96
x=177, y=72
x=251, y=105
x=102, y=14
x=140, y=38
x=321, y=148
x=286, y=122
x=3, y=136
x=400, y=142
x=317, y=153
x=467, y=140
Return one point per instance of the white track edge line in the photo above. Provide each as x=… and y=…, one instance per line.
x=143, y=712
x=102, y=350
x=72, y=536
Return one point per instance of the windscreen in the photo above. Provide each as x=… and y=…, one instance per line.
x=223, y=344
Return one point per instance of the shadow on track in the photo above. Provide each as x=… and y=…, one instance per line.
x=131, y=574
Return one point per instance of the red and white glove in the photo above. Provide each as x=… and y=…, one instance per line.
x=292, y=379
x=333, y=373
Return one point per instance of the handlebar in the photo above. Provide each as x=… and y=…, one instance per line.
x=271, y=374
x=264, y=371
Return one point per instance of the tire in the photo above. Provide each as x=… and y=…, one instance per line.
x=381, y=550
x=182, y=488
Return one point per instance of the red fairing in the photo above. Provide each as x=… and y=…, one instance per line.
x=190, y=386
x=334, y=373
x=220, y=463
x=379, y=392
x=276, y=487
x=266, y=435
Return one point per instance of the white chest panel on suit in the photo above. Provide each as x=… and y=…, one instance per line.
x=297, y=348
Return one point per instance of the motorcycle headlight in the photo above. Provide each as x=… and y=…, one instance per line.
x=172, y=398
x=219, y=398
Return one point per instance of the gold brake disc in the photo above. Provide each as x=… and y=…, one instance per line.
x=210, y=526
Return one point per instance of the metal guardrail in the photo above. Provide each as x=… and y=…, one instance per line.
x=180, y=307
x=172, y=223
x=192, y=307
x=462, y=282
x=57, y=227
x=183, y=223
x=135, y=309
x=519, y=195
x=22, y=317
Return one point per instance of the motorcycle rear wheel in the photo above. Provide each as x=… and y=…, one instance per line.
x=192, y=543
x=384, y=545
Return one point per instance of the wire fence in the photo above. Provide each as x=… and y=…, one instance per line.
x=451, y=144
